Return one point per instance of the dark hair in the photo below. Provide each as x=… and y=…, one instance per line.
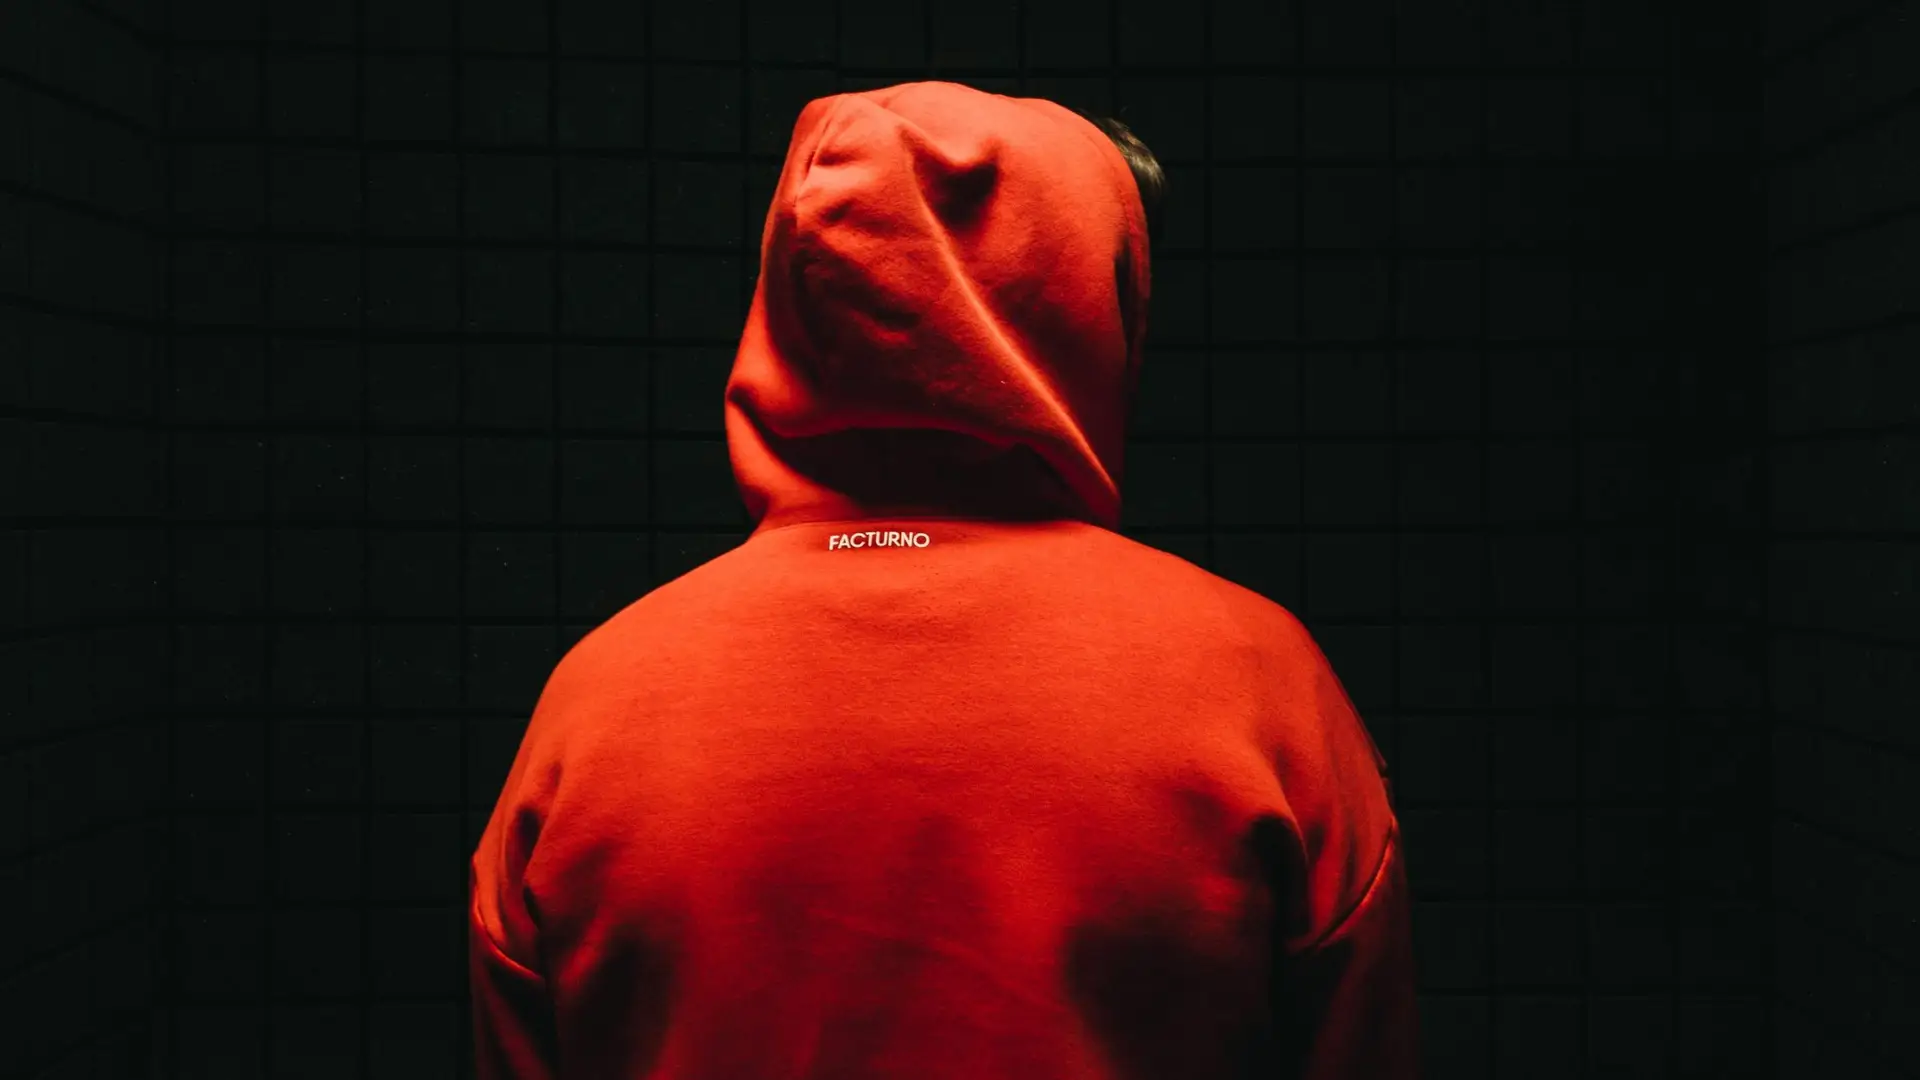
x=1148, y=176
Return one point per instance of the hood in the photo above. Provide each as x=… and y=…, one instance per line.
x=949, y=317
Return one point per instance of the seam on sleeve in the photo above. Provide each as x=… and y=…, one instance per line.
x=486, y=935
x=1366, y=895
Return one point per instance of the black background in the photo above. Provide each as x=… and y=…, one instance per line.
x=1554, y=361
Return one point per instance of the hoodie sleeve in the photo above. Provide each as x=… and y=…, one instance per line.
x=514, y=1032
x=1348, y=1001
x=1344, y=991
x=513, y=1035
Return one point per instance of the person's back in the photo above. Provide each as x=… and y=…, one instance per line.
x=937, y=775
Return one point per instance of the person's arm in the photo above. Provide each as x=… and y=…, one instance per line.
x=1346, y=1003
x=513, y=1034
x=1344, y=992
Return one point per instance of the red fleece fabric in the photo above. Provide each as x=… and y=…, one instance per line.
x=938, y=775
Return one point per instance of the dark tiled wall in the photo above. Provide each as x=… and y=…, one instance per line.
x=1843, y=359
x=1454, y=358
x=428, y=428
x=1450, y=354
x=82, y=544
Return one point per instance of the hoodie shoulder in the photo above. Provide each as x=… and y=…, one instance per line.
x=1262, y=618
x=1325, y=718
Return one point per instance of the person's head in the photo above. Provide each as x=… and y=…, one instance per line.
x=951, y=313
x=1148, y=176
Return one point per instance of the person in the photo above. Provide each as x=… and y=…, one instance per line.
x=937, y=774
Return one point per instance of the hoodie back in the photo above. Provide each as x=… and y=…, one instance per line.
x=937, y=775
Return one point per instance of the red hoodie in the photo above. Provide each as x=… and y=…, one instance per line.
x=937, y=775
